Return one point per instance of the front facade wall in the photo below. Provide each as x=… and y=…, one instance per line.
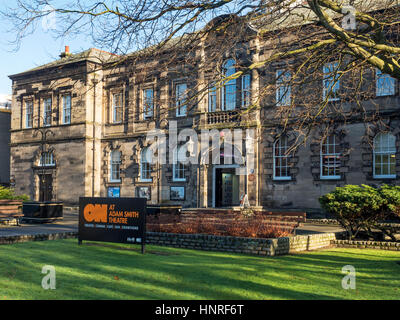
x=83, y=148
x=306, y=184
x=5, y=124
x=68, y=173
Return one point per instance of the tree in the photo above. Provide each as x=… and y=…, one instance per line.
x=302, y=36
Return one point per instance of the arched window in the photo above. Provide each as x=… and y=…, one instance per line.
x=385, y=156
x=330, y=158
x=115, y=166
x=145, y=165
x=281, y=159
x=178, y=167
x=47, y=159
x=228, y=97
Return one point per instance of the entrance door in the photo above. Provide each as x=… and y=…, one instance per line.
x=45, y=187
x=227, y=188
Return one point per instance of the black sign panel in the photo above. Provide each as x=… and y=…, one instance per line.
x=121, y=220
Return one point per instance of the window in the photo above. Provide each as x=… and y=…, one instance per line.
x=281, y=163
x=117, y=107
x=115, y=166
x=180, y=96
x=28, y=114
x=246, y=91
x=66, y=109
x=331, y=82
x=330, y=158
x=385, y=84
x=148, y=103
x=178, y=167
x=384, y=156
x=145, y=163
x=47, y=112
x=283, y=88
x=212, y=98
x=47, y=159
x=228, y=97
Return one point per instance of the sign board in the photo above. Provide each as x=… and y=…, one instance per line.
x=120, y=220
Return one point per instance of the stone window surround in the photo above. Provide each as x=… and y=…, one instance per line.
x=52, y=170
x=219, y=91
x=111, y=180
x=327, y=142
x=106, y=166
x=315, y=154
x=61, y=96
x=25, y=101
x=42, y=100
x=175, y=83
x=367, y=149
x=269, y=142
x=395, y=89
x=142, y=89
x=275, y=156
x=111, y=92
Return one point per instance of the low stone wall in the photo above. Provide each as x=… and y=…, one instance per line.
x=9, y=222
x=262, y=247
x=254, y=246
x=37, y=237
x=381, y=245
x=323, y=221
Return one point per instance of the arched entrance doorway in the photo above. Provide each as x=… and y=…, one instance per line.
x=227, y=185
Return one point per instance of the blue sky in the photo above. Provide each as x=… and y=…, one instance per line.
x=37, y=49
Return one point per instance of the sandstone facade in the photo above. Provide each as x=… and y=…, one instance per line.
x=82, y=147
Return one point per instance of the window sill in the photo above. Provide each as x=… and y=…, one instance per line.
x=146, y=180
x=385, y=95
x=114, y=181
x=385, y=177
x=330, y=177
x=282, y=178
x=178, y=180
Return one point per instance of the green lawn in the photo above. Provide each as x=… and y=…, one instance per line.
x=112, y=271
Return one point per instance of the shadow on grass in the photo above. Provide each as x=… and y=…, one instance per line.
x=110, y=271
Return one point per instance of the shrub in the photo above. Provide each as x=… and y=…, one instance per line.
x=9, y=194
x=361, y=208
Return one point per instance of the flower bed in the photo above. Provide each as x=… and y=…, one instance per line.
x=256, y=226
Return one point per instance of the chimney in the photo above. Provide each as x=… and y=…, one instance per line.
x=66, y=52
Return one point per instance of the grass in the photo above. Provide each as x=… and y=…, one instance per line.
x=113, y=271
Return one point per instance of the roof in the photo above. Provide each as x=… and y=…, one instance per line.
x=92, y=54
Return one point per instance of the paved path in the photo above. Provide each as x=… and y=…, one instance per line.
x=70, y=224
x=309, y=228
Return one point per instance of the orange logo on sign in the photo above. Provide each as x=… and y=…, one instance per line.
x=95, y=212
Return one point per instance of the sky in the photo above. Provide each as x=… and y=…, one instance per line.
x=37, y=49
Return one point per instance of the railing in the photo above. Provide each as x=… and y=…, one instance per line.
x=223, y=117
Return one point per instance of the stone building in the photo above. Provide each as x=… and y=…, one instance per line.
x=79, y=128
x=5, y=126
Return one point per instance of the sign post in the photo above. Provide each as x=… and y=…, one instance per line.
x=120, y=220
